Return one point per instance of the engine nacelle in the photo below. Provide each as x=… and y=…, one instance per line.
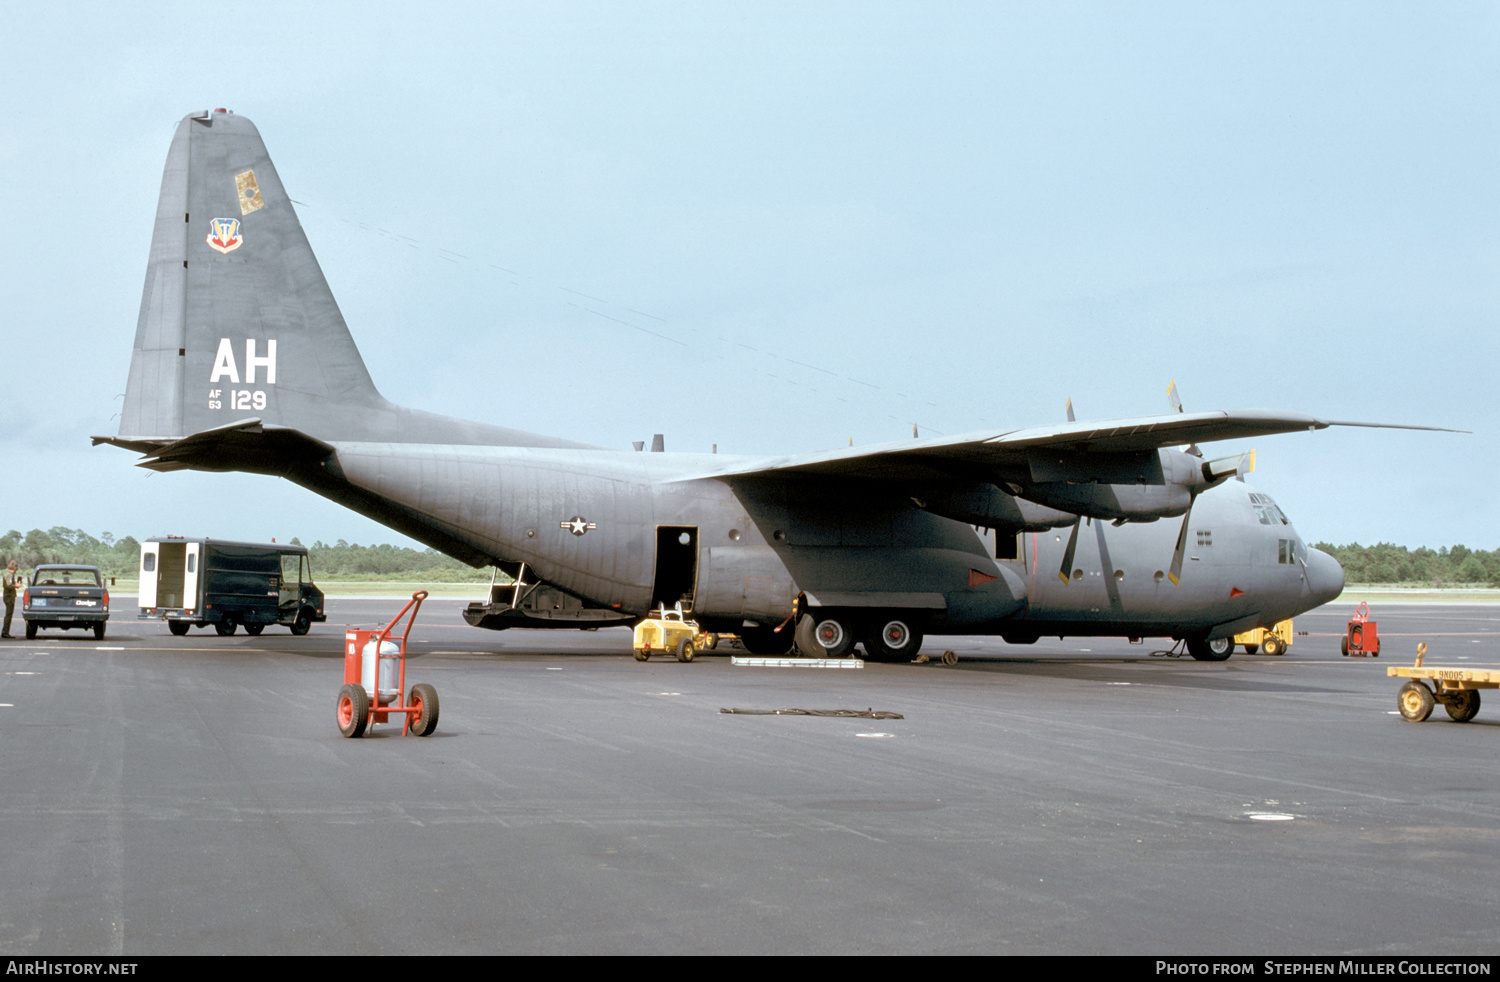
x=1159, y=484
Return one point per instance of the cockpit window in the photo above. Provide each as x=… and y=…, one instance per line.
x=1266, y=510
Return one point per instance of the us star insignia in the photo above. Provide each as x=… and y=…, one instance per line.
x=577, y=525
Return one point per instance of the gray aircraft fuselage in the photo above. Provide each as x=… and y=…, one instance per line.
x=242, y=361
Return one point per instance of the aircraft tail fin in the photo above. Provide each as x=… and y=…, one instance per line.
x=236, y=318
x=237, y=324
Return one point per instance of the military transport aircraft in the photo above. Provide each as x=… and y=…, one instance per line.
x=242, y=361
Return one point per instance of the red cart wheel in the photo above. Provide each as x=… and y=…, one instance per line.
x=424, y=699
x=353, y=709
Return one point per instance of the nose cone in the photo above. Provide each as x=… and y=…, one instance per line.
x=1325, y=577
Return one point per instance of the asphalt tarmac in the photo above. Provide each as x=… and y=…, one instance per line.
x=193, y=795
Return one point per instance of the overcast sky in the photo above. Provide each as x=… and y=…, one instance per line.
x=778, y=227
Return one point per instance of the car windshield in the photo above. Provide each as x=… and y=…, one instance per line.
x=65, y=577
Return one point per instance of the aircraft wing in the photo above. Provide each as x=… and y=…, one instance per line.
x=986, y=454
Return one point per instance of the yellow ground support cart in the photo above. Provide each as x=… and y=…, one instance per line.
x=670, y=632
x=1456, y=688
x=1268, y=641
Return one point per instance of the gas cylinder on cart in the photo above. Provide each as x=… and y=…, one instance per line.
x=390, y=682
x=363, y=665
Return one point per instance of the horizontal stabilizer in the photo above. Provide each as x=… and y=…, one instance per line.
x=247, y=445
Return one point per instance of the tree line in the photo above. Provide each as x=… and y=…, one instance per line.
x=1382, y=563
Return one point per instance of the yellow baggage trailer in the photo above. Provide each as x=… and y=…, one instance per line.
x=1456, y=688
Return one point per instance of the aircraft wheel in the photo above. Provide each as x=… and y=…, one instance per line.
x=99, y=631
x=30, y=631
x=302, y=624
x=1273, y=645
x=1203, y=649
x=1463, y=705
x=178, y=628
x=1415, y=701
x=685, y=650
x=425, y=698
x=225, y=627
x=353, y=709
x=1251, y=649
x=765, y=641
x=254, y=629
x=896, y=640
x=831, y=637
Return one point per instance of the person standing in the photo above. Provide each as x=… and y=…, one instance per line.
x=12, y=580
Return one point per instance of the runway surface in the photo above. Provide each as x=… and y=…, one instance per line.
x=193, y=795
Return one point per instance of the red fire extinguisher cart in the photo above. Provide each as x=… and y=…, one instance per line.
x=375, y=676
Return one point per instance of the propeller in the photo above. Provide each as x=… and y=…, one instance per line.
x=1175, y=401
x=1214, y=471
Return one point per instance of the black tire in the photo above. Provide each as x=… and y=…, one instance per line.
x=99, y=631
x=1415, y=701
x=1273, y=645
x=685, y=650
x=765, y=641
x=302, y=624
x=1203, y=649
x=425, y=696
x=641, y=655
x=1463, y=705
x=225, y=627
x=30, y=631
x=1251, y=649
x=353, y=710
x=178, y=628
x=254, y=629
x=892, y=639
x=832, y=635
x=1344, y=646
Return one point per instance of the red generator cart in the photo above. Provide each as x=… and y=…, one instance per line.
x=1361, y=639
x=375, y=676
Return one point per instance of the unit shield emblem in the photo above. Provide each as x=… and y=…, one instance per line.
x=224, y=234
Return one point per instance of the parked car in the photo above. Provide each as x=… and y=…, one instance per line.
x=65, y=597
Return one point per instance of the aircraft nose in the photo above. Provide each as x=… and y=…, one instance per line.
x=1325, y=577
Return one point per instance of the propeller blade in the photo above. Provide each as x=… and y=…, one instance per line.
x=1173, y=399
x=1174, y=572
x=1070, y=412
x=1065, y=571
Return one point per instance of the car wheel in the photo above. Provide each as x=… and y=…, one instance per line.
x=178, y=628
x=99, y=631
x=225, y=627
x=30, y=630
x=254, y=629
x=302, y=624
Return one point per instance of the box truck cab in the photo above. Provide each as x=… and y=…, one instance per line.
x=227, y=584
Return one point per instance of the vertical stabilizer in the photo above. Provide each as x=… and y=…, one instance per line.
x=236, y=318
